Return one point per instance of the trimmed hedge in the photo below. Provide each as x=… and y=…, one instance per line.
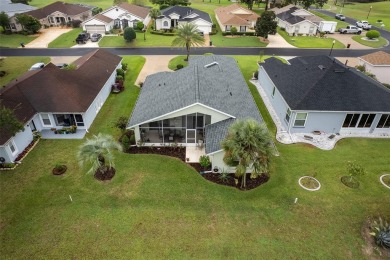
x=239, y=33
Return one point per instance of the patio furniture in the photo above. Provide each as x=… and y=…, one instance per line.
x=331, y=136
x=309, y=138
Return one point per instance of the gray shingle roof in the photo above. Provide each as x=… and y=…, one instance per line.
x=288, y=17
x=336, y=87
x=184, y=11
x=14, y=8
x=221, y=87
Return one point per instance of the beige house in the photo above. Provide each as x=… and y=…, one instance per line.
x=236, y=16
x=56, y=14
x=377, y=63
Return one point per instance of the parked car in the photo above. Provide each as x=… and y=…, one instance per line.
x=350, y=29
x=62, y=65
x=340, y=17
x=82, y=38
x=37, y=66
x=96, y=37
x=363, y=24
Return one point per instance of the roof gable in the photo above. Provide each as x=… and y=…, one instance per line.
x=66, y=8
x=235, y=15
x=186, y=13
x=377, y=58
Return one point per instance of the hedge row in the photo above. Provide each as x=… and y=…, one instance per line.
x=239, y=33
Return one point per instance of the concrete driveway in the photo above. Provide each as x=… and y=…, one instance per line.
x=46, y=36
x=347, y=39
x=154, y=64
x=277, y=41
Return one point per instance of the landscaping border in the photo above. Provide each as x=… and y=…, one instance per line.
x=381, y=180
x=319, y=184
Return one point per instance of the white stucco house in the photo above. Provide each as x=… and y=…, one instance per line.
x=193, y=106
x=173, y=16
x=318, y=93
x=236, y=16
x=51, y=98
x=119, y=16
x=377, y=63
x=56, y=14
x=297, y=21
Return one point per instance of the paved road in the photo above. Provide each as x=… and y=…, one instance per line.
x=178, y=51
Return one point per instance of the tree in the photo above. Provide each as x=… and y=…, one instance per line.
x=307, y=3
x=249, y=3
x=154, y=14
x=139, y=2
x=266, y=24
x=29, y=23
x=170, y=2
x=355, y=170
x=233, y=31
x=320, y=3
x=129, y=34
x=96, y=10
x=118, y=2
x=21, y=1
x=188, y=36
x=98, y=153
x=247, y=145
x=9, y=124
x=4, y=20
x=140, y=25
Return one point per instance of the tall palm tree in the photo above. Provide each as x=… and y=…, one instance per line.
x=98, y=152
x=188, y=36
x=154, y=14
x=248, y=145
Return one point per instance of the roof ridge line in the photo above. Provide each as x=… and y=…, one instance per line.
x=196, y=84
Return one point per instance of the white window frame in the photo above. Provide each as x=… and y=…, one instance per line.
x=12, y=143
x=296, y=116
x=288, y=113
x=43, y=123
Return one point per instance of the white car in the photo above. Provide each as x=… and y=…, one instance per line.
x=363, y=24
x=37, y=66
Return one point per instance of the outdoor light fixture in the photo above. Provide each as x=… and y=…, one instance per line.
x=331, y=49
x=369, y=11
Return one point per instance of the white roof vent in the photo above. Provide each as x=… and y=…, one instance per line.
x=211, y=64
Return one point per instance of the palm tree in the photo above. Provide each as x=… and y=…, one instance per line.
x=154, y=14
x=248, y=145
x=188, y=36
x=98, y=152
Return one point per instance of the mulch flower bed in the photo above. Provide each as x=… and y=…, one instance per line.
x=59, y=170
x=25, y=151
x=177, y=152
x=250, y=183
x=105, y=176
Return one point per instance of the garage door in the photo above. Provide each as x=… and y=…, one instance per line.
x=206, y=29
x=95, y=29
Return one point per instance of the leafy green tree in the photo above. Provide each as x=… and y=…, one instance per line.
x=96, y=10
x=320, y=3
x=233, y=31
x=170, y=2
x=118, y=2
x=266, y=24
x=98, y=153
x=140, y=25
x=249, y=3
x=154, y=14
x=9, y=124
x=29, y=23
x=248, y=145
x=188, y=36
x=4, y=20
x=129, y=34
x=307, y=3
x=21, y=1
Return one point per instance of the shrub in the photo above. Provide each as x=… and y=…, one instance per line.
x=140, y=25
x=373, y=34
x=76, y=23
x=129, y=34
x=379, y=21
x=362, y=68
x=120, y=72
x=381, y=231
x=224, y=176
x=121, y=123
x=204, y=161
x=256, y=74
x=140, y=84
x=233, y=30
x=179, y=66
x=119, y=78
x=126, y=142
x=124, y=66
x=132, y=139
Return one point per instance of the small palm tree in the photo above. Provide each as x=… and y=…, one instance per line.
x=188, y=36
x=154, y=14
x=248, y=145
x=98, y=152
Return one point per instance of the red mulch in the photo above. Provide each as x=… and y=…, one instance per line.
x=25, y=151
x=105, y=176
x=59, y=171
x=178, y=152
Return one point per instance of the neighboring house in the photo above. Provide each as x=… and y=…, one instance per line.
x=12, y=9
x=52, y=98
x=318, y=93
x=377, y=63
x=296, y=21
x=236, y=16
x=173, y=16
x=57, y=14
x=120, y=16
x=193, y=106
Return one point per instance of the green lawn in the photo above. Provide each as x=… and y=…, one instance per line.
x=14, y=40
x=66, y=40
x=15, y=66
x=359, y=11
x=311, y=41
x=236, y=41
x=158, y=207
x=176, y=61
x=375, y=44
x=152, y=40
x=100, y=3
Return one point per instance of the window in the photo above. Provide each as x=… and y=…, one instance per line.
x=242, y=28
x=228, y=28
x=288, y=114
x=79, y=120
x=45, y=119
x=351, y=120
x=165, y=24
x=273, y=91
x=366, y=120
x=51, y=19
x=384, y=122
x=300, y=119
x=12, y=147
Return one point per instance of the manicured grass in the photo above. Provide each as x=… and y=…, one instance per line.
x=359, y=11
x=375, y=44
x=66, y=40
x=158, y=207
x=14, y=40
x=310, y=41
x=176, y=61
x=100, y=3
x=16, y=66
x=236, y=41
x=340, y=24
x=151, y=40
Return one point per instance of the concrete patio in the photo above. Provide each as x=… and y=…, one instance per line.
x=194, y=152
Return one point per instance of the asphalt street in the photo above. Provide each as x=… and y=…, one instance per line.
x=199, y=51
